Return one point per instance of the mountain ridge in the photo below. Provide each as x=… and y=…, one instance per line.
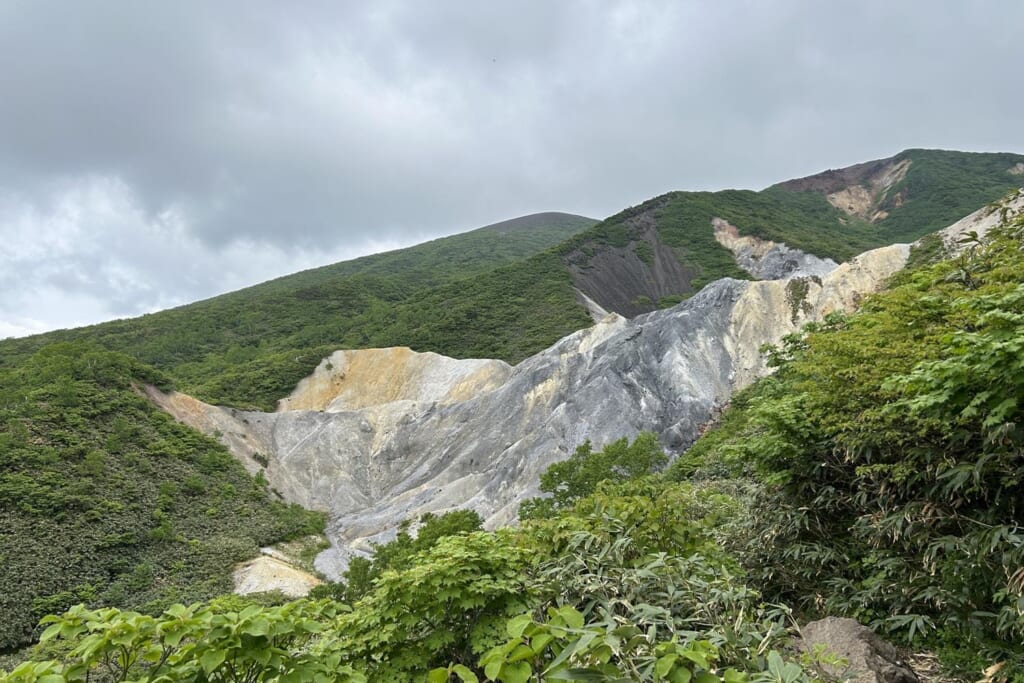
x=249, y=348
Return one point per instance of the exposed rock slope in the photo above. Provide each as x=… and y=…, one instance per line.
x=618, y=278
x=270, y=573
x=982, y=220
x=377, y=436
x=767, y=260
x=860, y=190
x=381, y=435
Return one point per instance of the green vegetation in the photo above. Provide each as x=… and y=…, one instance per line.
x=568, y=481
x=803, y=221
x=876, y=474
x=633, y=583
x=106, y=500
x=942, y=187
x=938, y=189
x=890, y=445
x=396, y=554
x=510, y=313
x=249, y=348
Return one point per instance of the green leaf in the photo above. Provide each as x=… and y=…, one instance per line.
x=465, y=674
x=571, y=617
x=665, y=664
x=439, y=675
x=521, y=652
x=257, y=627
x=517, y=625
x=734, y=676
x=211, y=659
x=515, y=672
x=51, y=632
x=698, y=658
x=680, y=674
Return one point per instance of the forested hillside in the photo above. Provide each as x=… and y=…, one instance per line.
x=250, y=347
x=108, y=501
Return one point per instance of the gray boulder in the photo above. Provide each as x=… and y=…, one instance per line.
x=869, y=659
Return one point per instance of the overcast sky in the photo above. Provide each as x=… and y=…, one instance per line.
x=155, y=153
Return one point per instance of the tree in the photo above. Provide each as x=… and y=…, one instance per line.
x=570, y=480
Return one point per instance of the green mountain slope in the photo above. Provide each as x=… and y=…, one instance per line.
x=918, y=190
x=876, y=475
x=106, y=500
x=250, y=347
x=890, y=441
x=669, y=249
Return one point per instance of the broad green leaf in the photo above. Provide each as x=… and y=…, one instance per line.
x=439, y=675
x=515, y=672
x=680, y=674
x=211, y=659
x=465, y=674
x=517, y=625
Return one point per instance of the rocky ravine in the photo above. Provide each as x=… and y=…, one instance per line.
x=377, y=436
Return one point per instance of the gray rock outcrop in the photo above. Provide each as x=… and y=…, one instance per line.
x=377, y=436
x=867, y=658
x=767, y=260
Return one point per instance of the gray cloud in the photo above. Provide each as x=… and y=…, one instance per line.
x=153, y=153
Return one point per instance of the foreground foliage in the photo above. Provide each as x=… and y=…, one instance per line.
x=893, y=442
x=568, y=481
x=631, y=583
x=362, y=572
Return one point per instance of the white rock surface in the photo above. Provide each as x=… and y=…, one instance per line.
x=269, y=573
x=981, y=221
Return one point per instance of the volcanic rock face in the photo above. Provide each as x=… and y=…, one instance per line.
x=618, y=279
x=767, y=260
x=269, y=573
x=377, y=436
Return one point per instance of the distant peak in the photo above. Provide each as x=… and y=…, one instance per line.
x=836, y=179
x=538, y=220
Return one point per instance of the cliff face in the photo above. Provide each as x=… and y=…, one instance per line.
x=860, y=190
x=767, y=260
x=377, y=436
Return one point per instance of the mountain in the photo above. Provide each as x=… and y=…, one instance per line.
x=916, y=191
x=141, y=511
x=663, y=250
x=509, y=290
x=378, y=436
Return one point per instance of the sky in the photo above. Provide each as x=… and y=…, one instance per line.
x=157, y=153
